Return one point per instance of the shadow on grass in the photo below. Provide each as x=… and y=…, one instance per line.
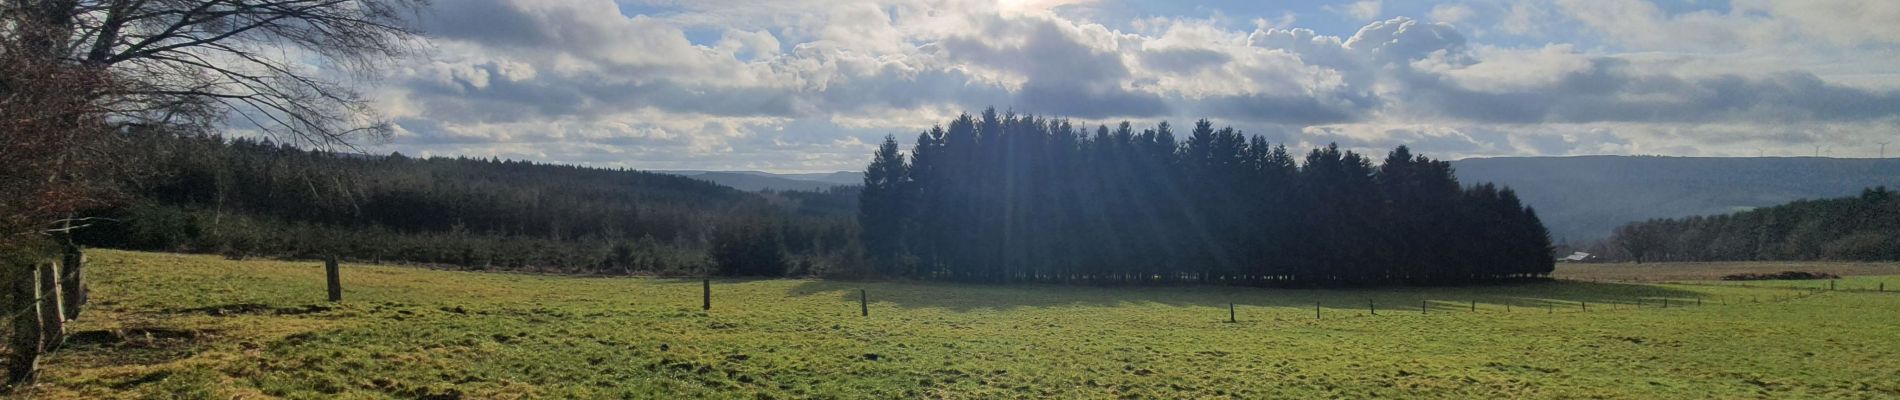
x=961, y=297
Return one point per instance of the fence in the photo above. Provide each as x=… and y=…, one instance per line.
x=1372, y=307
x=42, y=297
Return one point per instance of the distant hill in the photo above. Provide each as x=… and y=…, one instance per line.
x=244, y=197
x=1584, y=198
x=753, y=181
x=1859, y=228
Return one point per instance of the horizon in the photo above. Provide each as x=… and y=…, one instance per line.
x=782, y=173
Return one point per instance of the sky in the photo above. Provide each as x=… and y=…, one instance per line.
x=814, y=85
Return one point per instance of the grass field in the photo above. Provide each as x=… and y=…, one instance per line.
x=166, y=325
x=1713, y=271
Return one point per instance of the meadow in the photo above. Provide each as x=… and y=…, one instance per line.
x=189, y=326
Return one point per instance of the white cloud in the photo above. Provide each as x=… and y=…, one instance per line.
x=1451, y=13
x=579, y=81
x=1842, y=22
x=1361, y=9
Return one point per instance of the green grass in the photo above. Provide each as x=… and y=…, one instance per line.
x=1889, y=283
x=167, y=325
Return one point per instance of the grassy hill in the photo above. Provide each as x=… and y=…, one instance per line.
x=1584, y=198
x=169, y=325
x=249, y=198
x=753, y=181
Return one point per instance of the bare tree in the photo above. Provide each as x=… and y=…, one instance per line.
x=80, y=78
x=78, y=72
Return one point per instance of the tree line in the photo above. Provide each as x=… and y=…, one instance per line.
x=249, y=197
x=1857, y=228
x=1011, y=197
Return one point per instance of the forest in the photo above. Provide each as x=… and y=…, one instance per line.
x=1859, y=228
x=994, y=198
x=1010, y=197
x=244, y=197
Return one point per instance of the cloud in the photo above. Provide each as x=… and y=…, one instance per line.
x=1361, y=9
x=809, y=85
x=1451, y=13
x=1608, y=90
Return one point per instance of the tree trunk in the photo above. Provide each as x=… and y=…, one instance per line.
x=25, y=344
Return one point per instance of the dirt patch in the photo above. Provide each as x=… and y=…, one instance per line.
x=1779, y=276
x=226, y=310
x=137, y=346
x=1709, y=271
x=133, y=338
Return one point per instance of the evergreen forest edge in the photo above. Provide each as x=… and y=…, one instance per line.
x=1118, y=205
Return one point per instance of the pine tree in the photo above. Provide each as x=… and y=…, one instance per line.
x=884, y=208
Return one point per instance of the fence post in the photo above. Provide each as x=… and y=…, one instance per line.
x=1373, y=308
x=1230, y=314
x=1665, y=303
x=1421, y=306
x=1474, y=306
x=1883, y=287
x=25, y=341
x=1698, y=301
x=1585, y=305
x=1315, y=310
x=73, y=265
x=334, y=276
x=705, y=286
x=51, y=316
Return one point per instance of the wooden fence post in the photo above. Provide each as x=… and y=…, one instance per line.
x=1421, y=306
x=25, y=308
x=333, y=276
x=1372, y=308
x=1474, y=306
x=705, y=290
x=73, y=265
x=52, y=318
x=1585, y=305
x=1230, y=314
x=1316, y=310
x=864, y=303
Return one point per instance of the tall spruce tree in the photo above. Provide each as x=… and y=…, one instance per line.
x=884, y=209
